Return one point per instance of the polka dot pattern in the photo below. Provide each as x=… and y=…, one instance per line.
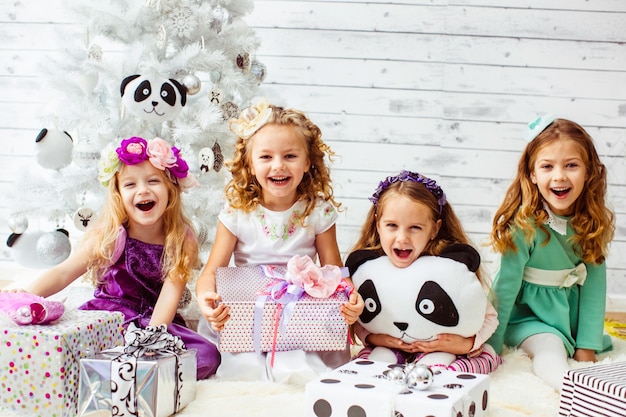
x=315, y=325
x=39, y=365
x=362, y=389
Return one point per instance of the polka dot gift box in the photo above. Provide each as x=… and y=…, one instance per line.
x=258, y=322
x=373, y=389
x=39, y=364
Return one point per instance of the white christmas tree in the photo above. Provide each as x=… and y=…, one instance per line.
x=192, y=59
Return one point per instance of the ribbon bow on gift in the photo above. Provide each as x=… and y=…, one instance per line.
x=578, y=275
x=302, y=276
x=152, y=339
x=139, y=342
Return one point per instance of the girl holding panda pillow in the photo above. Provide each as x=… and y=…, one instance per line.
x=409, y=218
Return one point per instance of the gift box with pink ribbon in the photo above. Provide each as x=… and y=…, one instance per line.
x=276, y=308
x=39, y=371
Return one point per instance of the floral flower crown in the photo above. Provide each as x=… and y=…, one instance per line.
x=538, y=125
x=430, y=184
x=251, y=119
x=133, y=151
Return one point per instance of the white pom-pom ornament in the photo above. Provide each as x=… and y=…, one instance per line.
x=53, y=148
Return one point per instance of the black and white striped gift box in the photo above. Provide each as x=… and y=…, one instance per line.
x=595, y=391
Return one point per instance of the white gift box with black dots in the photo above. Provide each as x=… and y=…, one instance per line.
x=362, y=388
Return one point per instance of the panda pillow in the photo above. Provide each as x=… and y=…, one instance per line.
x=434, y=295
x=153, y=98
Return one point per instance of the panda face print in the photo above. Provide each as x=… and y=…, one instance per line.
x=434, y=295
x=206, y=159
x=154, y=99
x=167, y=94
x=435, y=305
x=372, y=301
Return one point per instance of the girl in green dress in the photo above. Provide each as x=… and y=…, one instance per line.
x=553, y=230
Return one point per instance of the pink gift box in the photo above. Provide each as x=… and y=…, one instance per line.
x=598, y=390
x=39, y=364
x=315, y=324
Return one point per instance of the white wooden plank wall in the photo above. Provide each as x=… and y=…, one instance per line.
x=441, y=87
x=446, y=88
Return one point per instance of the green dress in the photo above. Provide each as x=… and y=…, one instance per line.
x=529, y=301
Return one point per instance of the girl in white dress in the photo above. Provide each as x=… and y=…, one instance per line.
x=280, y=204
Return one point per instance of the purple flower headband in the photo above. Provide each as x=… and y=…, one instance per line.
x=135, y=150
x=430, y=184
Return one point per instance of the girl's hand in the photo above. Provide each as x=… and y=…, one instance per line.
x=384, y=340
x=445, y=342
x=585, y=355
x=353, y=308
x=216, y=313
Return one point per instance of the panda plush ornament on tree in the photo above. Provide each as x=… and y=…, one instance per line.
x=153, y=98
x=53, y=148
x=433, y=295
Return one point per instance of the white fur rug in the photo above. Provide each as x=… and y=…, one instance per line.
x=514, y=392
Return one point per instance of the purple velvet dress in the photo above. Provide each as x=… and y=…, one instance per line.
x=132, y=286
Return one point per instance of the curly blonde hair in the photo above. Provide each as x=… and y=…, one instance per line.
x=522, y=207
x=180, y=252
x=243, y=190
x=450, y=232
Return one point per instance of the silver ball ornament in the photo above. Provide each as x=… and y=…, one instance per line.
x=24, y=315
x=18, y=224
x=420, y=377
x=395, y=374
x=259, y=70
x=53, y=247
x=192, y=84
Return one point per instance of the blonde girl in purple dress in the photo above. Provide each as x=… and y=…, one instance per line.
x=142, y=250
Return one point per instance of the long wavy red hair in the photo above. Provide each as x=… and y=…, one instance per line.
x=522, y=207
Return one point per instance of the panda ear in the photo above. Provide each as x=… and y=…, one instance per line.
x=463, y=253
x=359, y=257
x=42, y=134
x=125, y=82
x=183, y=91
x=12, y=239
